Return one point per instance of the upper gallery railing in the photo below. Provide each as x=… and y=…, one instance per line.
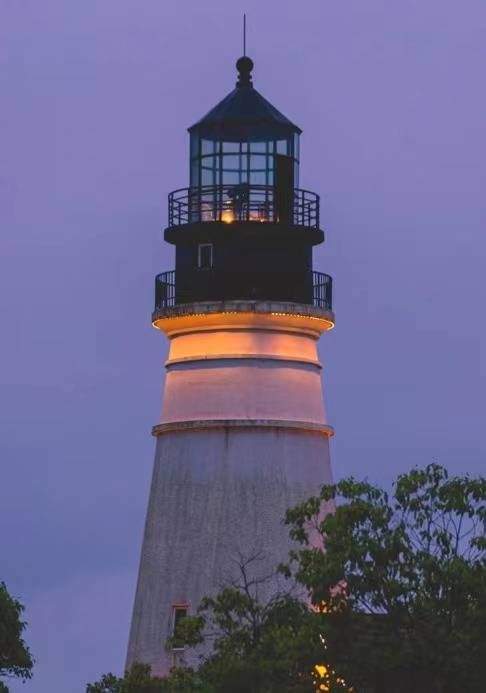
x=244, y=202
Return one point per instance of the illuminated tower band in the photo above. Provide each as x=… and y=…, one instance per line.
x=243, y=433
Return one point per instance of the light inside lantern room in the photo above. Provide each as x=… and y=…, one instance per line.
x=228, y=215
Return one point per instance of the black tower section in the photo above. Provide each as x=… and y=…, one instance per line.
x=243, y=229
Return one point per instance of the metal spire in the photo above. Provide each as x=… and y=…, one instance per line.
x=244, y=34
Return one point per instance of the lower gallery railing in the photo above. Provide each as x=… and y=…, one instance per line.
x=309, y=287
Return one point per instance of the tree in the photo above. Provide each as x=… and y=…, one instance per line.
x=258, y=645
x=402, y=581
x=15, y=658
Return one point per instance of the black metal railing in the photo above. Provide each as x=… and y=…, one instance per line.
x=244, y=202
x=308, y=287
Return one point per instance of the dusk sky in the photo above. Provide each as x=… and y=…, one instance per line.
x=95, y=100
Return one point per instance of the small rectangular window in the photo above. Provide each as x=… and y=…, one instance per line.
x=179, y=611
x=205, y=255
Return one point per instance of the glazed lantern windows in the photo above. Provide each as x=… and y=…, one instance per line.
x=219, y=162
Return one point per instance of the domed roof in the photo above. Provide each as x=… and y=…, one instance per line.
x=244, y=114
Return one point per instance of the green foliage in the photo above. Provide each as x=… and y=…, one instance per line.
x=139, y=680
x=15, y=658
x=261, y=647
x=402, y=578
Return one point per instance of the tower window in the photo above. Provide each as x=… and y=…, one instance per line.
x=205, y=255
x=179, y=611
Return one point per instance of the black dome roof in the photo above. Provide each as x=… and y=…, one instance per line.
x=244, y=114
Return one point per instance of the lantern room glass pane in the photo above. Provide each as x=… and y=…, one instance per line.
x=207, y=176
x=231, y=147
x=231, y=178
x=207, y=147
x=232, y=162
x=209, y=160
x=258, y=163
x=258, y=178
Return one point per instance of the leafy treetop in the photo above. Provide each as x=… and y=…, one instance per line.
x=15, y=658
x=402, y=579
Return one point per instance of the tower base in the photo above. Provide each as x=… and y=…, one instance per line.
x=219, y=494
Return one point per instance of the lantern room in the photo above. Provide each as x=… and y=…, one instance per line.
x=244, y=140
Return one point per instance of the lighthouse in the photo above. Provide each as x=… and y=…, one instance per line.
x=243, y=433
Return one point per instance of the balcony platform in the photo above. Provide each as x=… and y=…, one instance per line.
x=213, y=231
x=243, y=207
x=278, y=315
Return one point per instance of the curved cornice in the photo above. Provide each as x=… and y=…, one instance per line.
x=199, y=425
x=296, y=317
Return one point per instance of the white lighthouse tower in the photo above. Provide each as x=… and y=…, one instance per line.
x=243, y=433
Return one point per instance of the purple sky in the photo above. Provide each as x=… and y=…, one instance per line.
x=95, y=99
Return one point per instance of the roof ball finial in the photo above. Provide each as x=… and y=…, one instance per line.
x=244, y=65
